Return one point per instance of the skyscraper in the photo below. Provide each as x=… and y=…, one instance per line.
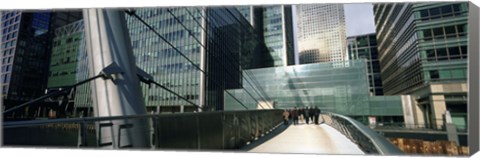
x=278, y=34
x=423, y=52
x=218, y=43
x=321, y=33
x=26, y=48
x=365, y=47
x=275, y=24
x=198, y=53
x=25, y=55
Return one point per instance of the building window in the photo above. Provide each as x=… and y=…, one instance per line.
x=440, y=12
x=434, y=74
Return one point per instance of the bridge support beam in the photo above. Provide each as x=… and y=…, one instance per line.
x=108, y=45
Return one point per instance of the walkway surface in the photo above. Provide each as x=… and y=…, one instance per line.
x=309, y=139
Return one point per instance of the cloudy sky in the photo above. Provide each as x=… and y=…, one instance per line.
x=359, y=18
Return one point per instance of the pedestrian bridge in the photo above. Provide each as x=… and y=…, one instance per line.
x=257, y=131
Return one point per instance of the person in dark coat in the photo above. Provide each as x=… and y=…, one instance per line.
x=306, y=116
x=317, y=114
x=295, y=116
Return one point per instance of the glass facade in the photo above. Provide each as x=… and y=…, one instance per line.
x=321, y=33
x=64, y=58
x=26, y=37
x=278, y=34
x=68, y=64
x=247, y=12
x=332, y=87
x=365, y=47
x=276, y=25
x=25, y=55
x=423, y=51
x=161, y=60
x=219, y=38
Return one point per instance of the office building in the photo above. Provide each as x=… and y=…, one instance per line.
x=365, y=47
x=69, y=65
x=24, y=55
x=275, y=25
x=218, y=40
x=321, y=33
x=200, y=52
x=423, y=52
x=26, y=47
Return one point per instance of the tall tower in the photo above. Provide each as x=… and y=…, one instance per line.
x=25, y=54
x=275, y=25
x=321, y=33
x=26, y=48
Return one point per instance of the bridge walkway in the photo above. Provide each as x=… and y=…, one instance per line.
x=308, y=139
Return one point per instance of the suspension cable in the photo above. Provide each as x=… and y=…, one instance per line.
x=132, y=13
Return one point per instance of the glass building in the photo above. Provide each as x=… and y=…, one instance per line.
x=247, y=12
x=218, y=41
x=334, y=88
x=321, y=33
x=63, y=62
x=69, y=65
x=423, y=52
x=25, y=55
x=26, y=47
x=198, y=54
x=365, y=47
x=275, y=25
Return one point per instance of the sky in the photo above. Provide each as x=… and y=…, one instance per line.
x=359, y=19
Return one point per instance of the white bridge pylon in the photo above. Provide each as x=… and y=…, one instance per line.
x=109, y=52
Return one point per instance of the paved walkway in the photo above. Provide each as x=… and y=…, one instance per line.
x=314, y=139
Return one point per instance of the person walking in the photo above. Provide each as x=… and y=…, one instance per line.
x=306, y=116
x=295, y=116
x=317, y=114
x=285, y=117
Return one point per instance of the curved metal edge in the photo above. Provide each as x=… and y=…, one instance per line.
x=383, y=146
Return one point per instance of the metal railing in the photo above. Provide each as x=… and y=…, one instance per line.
x=416, y=127
x=189, y=131
x=367, y=140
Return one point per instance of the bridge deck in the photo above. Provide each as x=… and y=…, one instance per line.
x=309, y=138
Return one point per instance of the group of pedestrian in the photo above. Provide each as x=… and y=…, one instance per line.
x=304, y=114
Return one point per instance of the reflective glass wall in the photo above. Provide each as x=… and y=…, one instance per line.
x=340, y=87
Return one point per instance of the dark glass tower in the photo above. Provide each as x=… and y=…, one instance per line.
x=275, y=25
x=25, y=55
x=26, y=47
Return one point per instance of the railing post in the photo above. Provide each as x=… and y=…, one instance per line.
x=82, y=135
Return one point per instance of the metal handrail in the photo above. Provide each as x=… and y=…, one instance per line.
x=382, y=146
x=257, y=123
x=29, y=123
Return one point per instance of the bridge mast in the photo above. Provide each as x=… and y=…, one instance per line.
x=110, y=52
